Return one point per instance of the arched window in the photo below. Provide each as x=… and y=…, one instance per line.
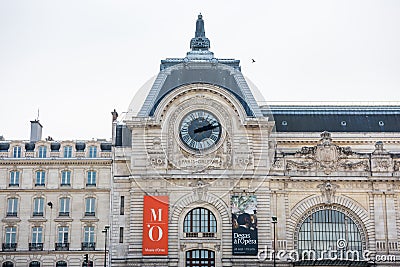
x=61, y=264
x=200, y=258
x=8, y=264
x=34, y=264
x=329, y=230
x=200, y=222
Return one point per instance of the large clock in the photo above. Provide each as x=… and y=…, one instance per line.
x=200, y=130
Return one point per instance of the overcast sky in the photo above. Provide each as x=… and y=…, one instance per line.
x=77, y=60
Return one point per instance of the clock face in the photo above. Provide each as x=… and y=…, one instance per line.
x=200, y=130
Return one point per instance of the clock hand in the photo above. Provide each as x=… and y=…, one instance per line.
x=206, y=128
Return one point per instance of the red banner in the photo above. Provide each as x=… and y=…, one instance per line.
x=155, y=225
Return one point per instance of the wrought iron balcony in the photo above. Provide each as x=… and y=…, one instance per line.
x=88, y=246
x=63, y=213
x=91, y=184
x=37, y=214
x=199, y=234
x=62, y=246
x=90, y=213
x=66, y=184
x=12, y=214
x=35, y=246
x=13, y=184
x=9, y=246
x=39, y=184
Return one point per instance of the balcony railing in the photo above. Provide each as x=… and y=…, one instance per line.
x=39, y=184
x=199, y=234
x=62, y=246
x=66, y=184
x=91, y=184
x=90, y=213
x=11, y=214
x=13, y=184
x=88, y=246
x=63, y=213
x=35, y=246
x=37, y=214
x=9, y=246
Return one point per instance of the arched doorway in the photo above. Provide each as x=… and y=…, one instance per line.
x=200, y=258
x=8, y=264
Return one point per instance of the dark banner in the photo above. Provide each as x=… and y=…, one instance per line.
x=244, y=225
x=155, y=225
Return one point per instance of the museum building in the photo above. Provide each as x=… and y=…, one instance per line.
x=202, y=172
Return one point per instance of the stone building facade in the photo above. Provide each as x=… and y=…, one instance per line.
x=319, y=184
x=202, y=173
x=55, y=199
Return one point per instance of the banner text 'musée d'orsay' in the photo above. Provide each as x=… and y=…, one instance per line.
x=155, y=225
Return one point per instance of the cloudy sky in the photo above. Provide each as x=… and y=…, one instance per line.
x=77, y=60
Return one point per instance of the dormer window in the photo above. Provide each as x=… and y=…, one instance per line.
x=17, y=152
x=93, y=152
x=68, y=152
x=42, y=152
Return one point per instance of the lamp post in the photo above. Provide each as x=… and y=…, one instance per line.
x=274, y=221
x=105, y=231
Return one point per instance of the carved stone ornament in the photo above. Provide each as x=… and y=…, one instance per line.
x=200, y=189
x=326, y=157
x=381, y=159
x=328, y=191
x=156, y=155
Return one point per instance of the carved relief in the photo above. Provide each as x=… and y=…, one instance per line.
x=156, y=155
x=381, y=160
x=328, y=191
x=327, y=157
x=200, y=189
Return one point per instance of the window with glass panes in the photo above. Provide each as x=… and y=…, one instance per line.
x=68, y=152
x=42, y=152
x=11, y=235
x=66, y=178
x=8, y=264
x=34, y=264
x=12, y=207
x=63, y=234
x=93, y=152
x=200, y=258
x=200, y=220
x=91, y=178
x=14, y=178
x=37, y=235
x=38, y=206
x=88, y=234
x=61, y=264
x=321, y=230
x=64, y=206
x=17, y=152
x=40, y=178
x=90, y=206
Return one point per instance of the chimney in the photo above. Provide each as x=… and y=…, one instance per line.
x=36, y=131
